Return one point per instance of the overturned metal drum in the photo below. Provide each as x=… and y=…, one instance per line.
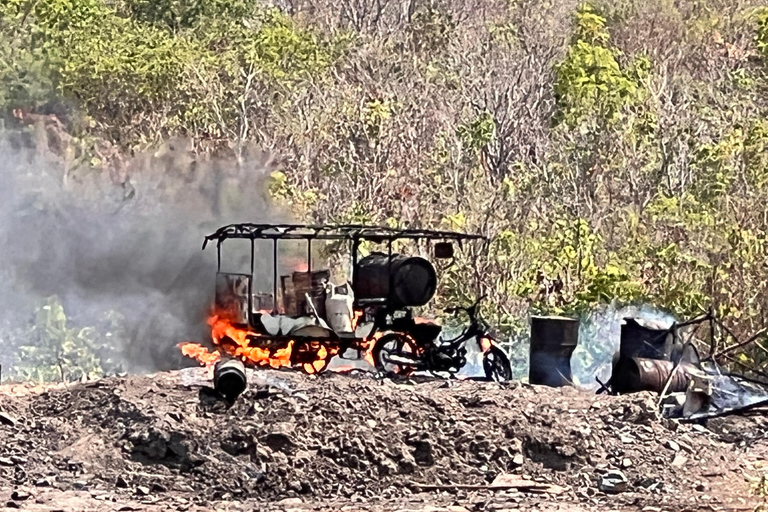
x=229, y=378
x=634, y=374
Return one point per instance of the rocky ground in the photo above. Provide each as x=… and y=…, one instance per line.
x=350, y=442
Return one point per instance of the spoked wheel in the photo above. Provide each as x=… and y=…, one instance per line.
x=496, y=365
x=394, y=353
x=314, y=357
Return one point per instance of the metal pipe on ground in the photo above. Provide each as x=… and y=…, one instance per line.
x=229, y=378
x=553, y=340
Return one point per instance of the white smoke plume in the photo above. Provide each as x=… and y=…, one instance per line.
x=599, y=339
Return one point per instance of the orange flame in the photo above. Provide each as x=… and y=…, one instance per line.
x=356, y=319
x=199, y=352
x=238, y=343
x=256, y=349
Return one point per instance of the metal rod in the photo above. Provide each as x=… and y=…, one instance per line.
x=309, y=256
x=355, y=247
x=389, y=267
x=250, y=289
x=712, y=337
x=218, y=256
x=274, y=276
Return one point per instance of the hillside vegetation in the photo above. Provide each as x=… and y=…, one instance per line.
x=613, y=151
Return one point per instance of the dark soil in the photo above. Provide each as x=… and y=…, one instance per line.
x=350, y=442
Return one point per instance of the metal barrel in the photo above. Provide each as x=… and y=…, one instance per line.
x=553, y=340
x=229, y=378
x=644, y=341
x=631, y=375
x=413, y=279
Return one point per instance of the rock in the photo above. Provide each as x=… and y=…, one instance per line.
x=20, y=495
x=18, y=460
x=518, y=459
x=156, y=487
x=422, y=452
x=280, y=442
x=43, y=482
x=12, y=504
x=404, y=459
x=626, y=463
x=679, y=460
x=290, y=501
x=626, y=439
x=613, y=482
x=121, y=483
x=294, y=485
x=386, y=467
x=672, y=445
x=4, y=461
x=142, y=491
x=6, y=419
x=647, y=483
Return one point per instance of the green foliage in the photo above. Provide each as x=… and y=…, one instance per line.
x=282, y=191
x=54, y=350
x=477, y=133
x=177, y=14
x=376, y=113
x=590, y=80
x=187, y=66
x=431, y=28
x=761, y=31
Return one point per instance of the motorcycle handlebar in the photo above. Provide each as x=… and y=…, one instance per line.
x=469, y=310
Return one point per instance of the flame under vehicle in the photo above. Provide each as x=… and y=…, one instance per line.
x=305, y=320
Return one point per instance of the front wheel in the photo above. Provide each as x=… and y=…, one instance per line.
x=395, y=354
x=496, y=365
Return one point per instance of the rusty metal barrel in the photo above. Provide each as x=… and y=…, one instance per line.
x=413, y=279
x=645, y=340
x=553, y=340
x=634, y=374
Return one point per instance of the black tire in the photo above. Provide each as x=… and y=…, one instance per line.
x=388, y=344
x=496, y=365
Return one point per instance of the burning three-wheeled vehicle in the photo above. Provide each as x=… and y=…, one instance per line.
x=305, y=320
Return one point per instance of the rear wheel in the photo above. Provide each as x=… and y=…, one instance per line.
x=496, y=365
x=394, y=354
x=314, y=357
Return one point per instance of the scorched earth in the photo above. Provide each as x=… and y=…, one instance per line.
x=350, y=442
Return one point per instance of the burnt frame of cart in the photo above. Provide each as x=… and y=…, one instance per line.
x=376, y=310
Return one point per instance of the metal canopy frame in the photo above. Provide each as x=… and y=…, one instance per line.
x=354, y=233
x=330, y=232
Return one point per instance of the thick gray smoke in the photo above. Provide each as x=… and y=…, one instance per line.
x=132, y=248
x=599, y=340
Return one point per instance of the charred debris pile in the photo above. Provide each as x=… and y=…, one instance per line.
x=684, y=363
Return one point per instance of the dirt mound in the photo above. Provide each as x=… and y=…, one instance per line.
x=167, y=441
